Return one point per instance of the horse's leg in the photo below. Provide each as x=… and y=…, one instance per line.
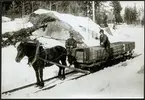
x=41, y=77
x=59, y=72
x=63, y=61
x=37, y=75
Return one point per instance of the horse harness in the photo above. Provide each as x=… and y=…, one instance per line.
x=38, y=57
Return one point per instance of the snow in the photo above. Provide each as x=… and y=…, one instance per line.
x=124, y=80
x=5, y=19
x=15, y=25
x=84, y=25
x=110, y=82
x=42, y=11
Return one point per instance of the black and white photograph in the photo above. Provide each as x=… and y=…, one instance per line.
x=72, y=49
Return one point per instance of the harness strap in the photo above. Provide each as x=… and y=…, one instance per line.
x=36, y=53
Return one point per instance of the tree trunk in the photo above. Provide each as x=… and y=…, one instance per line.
x=93, y=8
x=69, y=9
x=32, y=6
x=3, y=13
x=56, y=7
x=50, y=4
x=23, y=8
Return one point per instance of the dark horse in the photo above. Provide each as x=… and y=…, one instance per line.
x=54, y=54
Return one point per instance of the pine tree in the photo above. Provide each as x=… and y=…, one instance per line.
x=117, y=9
x=13, y=10
x=126, y=15
x=130, y=15
x=134, y=14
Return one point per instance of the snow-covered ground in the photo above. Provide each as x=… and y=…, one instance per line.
x=122, y=80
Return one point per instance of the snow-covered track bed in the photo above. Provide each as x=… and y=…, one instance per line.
x=54, y=81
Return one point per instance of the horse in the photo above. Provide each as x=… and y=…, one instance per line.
x=54, y=54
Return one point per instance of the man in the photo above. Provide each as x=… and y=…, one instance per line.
x=70, y=44
x=104, y=42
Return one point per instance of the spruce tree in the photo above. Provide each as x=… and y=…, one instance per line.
x=116, y=11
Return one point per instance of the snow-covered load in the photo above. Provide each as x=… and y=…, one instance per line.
x=59, y=25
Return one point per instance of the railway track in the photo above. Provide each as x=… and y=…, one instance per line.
x=49, y=86
x=32, y=84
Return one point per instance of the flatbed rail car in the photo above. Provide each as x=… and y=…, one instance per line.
x=95, y=55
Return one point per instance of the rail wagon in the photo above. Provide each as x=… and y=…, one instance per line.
x=95, y=55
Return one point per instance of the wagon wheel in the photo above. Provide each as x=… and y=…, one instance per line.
x=123, y=58
x=131, y=54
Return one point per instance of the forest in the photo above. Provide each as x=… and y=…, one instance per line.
x=92, y=9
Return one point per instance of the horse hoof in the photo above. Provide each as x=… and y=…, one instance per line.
x=40, y=87
x=64, y=78
x=60, y=78
x=42, y=84
x=37, y=84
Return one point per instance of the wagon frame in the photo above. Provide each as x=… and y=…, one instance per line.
x=96, y=55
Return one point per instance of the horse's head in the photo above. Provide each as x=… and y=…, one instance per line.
x=20, y=52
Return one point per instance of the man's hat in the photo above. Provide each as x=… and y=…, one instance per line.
x=71, y=33
x=101, y=31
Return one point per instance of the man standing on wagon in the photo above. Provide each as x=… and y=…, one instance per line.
x=104, y=42
x=70, y=44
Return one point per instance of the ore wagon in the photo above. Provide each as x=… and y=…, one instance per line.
x=96, y=55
